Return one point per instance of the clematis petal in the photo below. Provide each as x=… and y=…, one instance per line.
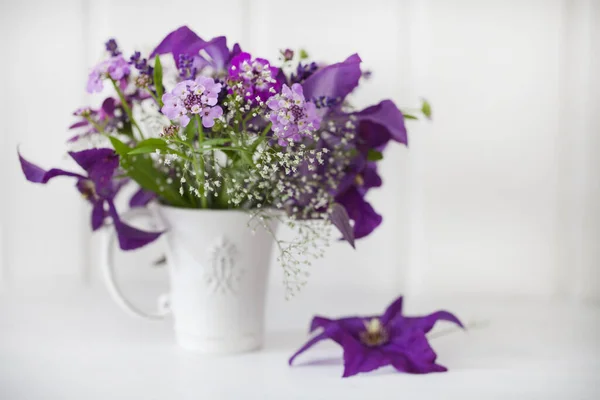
x=141, y=198
x=393, y=309
x=360, y=211
x=35, y=174
x=427, y=322
x=98, y=215
x=410, y=352
x=100, y=164
x=319, y=322
x=178, y=40
x=381, y=122
x=334, y=81
x=359, y=358
x=321, y=336
x=130, y=238
x=186, y=41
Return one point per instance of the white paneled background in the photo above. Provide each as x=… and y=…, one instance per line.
x=500, y=194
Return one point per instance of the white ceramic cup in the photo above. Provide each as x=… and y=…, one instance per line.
x=218, y=272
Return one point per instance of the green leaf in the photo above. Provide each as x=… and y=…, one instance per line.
x=121, y=148
x=190, y=131
x=141, y=169
x=303, y=54
x=142, y=150
x=409, y=116
x=158, y=78
x=215, y=142
x=374, y=155
x=426, y=109
x=148, y=146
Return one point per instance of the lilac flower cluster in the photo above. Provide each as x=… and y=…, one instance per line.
x=303, y=72
x=115, y=68
x=141, y=64
x=112, y=47
x=293, y=118
x=187, y=67
x=197, y=97
x=256, y=78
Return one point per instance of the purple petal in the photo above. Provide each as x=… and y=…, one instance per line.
x=319, y=322
x=360, y=211
x=177, y=41
x=83, y=122
x=381, y=122
x=33, y=173
x=410, y=352
x=141, y=198
x=427, y=322
x=393, y=309
x=98, y=215
x=321, y=336
x=130, y=238
x=334, y=81
x=100, y=164
x=340, y=219
x=218, y=51
x=359, y=358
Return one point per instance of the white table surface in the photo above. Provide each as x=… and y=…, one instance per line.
x=74, y=343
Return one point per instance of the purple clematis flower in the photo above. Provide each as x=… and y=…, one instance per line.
x=99, y=188
x=379, y=124
x=360, y=211
x=377, y=341
x=184, y=41
x=334, y=81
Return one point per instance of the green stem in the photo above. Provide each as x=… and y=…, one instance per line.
x=200, y=174
x=95, y=125
x=126, y=107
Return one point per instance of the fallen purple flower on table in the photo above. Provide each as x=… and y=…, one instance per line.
x=377, y=341
x=99, y=188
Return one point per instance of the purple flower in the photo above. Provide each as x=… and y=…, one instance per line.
x=360, y=211
x=193, y=97
x=110, y=116
x=141, y=64
x=379, y=124
x=141, y=198
x=377, y=341
x=334, y=81
x=185, y=41
x=256, y=79
x=293, y=117
x=99, y=188
x=116, y=68
x=112, y=47
x=376, y=126
x=287, y=54
x=303, y=72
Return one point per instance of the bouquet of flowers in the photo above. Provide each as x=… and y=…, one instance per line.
x=196, y=124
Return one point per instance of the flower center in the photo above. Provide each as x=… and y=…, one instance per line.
x=374, y=334
x=359, y=180
x=88, y=189
x=297, y=112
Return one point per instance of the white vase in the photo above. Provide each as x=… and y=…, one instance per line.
x=218, y=272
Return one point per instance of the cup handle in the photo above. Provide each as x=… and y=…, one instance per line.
x=108, y=266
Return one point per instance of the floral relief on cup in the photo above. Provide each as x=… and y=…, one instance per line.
x=223, y=273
